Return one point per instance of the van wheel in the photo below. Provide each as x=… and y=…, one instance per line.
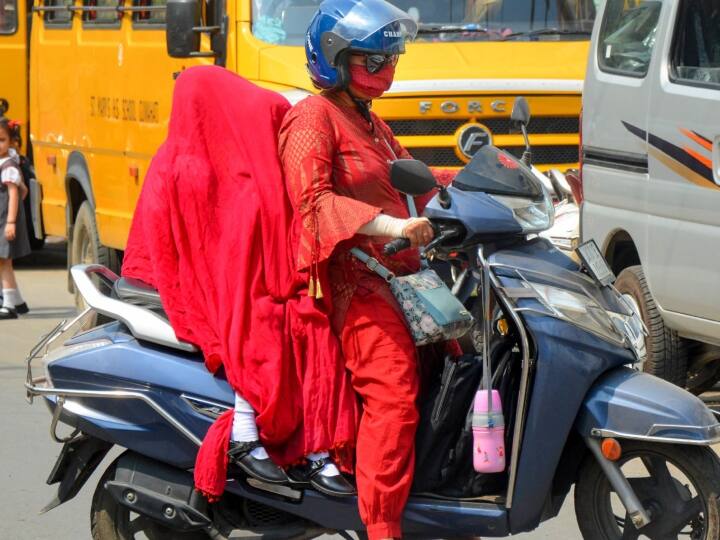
x=86, y=249
x=110, y=520
x=667, y=353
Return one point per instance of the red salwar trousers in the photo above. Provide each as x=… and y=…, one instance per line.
x=382, y=359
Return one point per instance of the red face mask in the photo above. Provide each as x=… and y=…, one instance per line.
x=372, y=85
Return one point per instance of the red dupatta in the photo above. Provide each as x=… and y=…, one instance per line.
x=213, y=232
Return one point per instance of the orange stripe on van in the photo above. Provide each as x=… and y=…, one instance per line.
x=702, y=159
x=702, y=141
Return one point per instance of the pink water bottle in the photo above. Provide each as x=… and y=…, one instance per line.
x=488, y=427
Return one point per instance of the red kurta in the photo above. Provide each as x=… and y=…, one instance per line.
x=337, y=173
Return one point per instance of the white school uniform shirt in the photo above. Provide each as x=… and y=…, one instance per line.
x=10, y=175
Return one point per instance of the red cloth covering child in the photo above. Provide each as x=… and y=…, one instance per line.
x=213, y=231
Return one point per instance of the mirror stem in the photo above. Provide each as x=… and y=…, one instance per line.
x=527, y=154
x=444, y=198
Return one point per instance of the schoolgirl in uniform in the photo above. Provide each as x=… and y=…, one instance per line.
x=14, y=241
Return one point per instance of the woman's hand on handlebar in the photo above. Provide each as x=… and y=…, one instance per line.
x=418, y=231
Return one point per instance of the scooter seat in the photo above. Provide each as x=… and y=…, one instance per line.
x=134, y=291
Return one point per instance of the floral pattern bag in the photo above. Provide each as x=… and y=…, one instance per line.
x=432, y=312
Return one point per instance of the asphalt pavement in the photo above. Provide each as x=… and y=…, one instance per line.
x=26, y=451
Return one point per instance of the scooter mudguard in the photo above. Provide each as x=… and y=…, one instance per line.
x=629, y=404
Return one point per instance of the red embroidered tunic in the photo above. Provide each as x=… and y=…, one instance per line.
x=338, y=177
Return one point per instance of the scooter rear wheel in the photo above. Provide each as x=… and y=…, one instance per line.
x=678, y=486
x=110, y=520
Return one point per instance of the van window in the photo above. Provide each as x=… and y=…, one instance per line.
x=696, y=46
x=627, y=36
x=155, y=15
x=59, y=17
x=106, y=15
x=8, y=16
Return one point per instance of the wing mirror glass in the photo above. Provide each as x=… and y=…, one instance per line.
x=183, y=19
x=412, y=177
x=520, y=112
x=520, y=117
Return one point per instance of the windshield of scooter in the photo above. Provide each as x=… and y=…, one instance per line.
x=285, y=21
x=496, y=172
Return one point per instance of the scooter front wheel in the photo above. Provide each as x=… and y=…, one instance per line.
x=678, y=486
x=110, y=520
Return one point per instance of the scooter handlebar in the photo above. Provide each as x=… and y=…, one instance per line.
x=394, y=246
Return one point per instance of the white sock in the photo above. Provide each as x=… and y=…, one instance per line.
x=15, y=296
x=11, y=298
x=8, y=298
x=329, y=469
x=244, y=428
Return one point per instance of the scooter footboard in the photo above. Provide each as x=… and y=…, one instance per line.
x=629, y=404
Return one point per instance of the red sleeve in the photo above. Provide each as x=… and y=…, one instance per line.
x=307, y=151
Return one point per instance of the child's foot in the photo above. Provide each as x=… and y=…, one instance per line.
x=323, y=475
x=22, y=309
x=256, y=463
x=7, y=313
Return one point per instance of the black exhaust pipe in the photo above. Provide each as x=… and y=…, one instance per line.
x=159, y=491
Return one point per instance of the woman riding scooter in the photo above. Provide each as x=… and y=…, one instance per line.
x=335, y=153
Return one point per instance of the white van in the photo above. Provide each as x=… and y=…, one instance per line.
x=651, y=173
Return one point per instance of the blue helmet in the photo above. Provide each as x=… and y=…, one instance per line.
x=342, y=26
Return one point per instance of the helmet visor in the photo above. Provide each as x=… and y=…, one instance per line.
x=369, y=16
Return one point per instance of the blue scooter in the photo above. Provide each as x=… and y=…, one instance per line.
x=636, y=449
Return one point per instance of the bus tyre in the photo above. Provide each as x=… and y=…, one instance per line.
x=667, y=353
x=86, y=249
x=35, y=243
x=678, y=485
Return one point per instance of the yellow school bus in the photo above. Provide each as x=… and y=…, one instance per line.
x=101, y=83
x=13, y=59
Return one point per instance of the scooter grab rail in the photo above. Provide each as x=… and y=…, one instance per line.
x=34, y=386
x=142, y=323
x=114, y=394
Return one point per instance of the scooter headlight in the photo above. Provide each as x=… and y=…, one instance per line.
x=579, y=309
x=584, y=311
x=532, y=216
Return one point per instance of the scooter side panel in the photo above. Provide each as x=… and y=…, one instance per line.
x=569, y=361
x=630, y=404
x=166, y=377
x=131, y=424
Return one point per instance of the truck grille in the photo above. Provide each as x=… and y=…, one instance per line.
x=497, y=126
x=545, y=155
x=428, y=126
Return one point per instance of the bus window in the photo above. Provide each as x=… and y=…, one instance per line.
x=58, y=16
x=285, y=21
x=8, y=16
x=105, y=15
x=153, y=16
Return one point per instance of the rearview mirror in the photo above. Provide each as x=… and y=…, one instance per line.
x=182, y=18
x=520, y=111
x=412, y=177
x=520, y=116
